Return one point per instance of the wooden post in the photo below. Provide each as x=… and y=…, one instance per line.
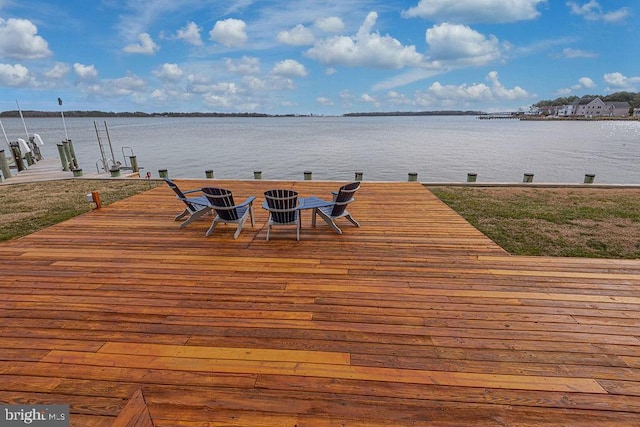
x=4, y=165
x=163, y=173
x=67, y=153
x=528, y=177
x=358, y=176
x=413, y=176
x=96, y=199
x=307, y=176
x=17, y=156
x=589, y=178
x=29, y=158
x=77, y=173
x=134, y=163
x=257, y=174
x=471, y=177
x=209, y=173
x=63, y=157
x=72, y=151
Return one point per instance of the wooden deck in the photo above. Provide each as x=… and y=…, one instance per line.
x=415, y=318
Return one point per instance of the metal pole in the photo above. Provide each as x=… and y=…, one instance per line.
x=113, y=158
x=5, y=134
x=23, y=122
x=63, y=122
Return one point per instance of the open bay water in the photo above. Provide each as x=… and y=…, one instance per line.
x=437, y=148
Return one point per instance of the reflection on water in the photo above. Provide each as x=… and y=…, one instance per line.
x=439, y=149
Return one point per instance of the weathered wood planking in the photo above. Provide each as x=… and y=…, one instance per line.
x=415, y=318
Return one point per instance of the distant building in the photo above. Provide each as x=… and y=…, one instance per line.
x=565, y=110
x=589, y=107
x=549, y=110
x=617, y=109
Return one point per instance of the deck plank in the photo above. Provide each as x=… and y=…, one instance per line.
x=413, y=318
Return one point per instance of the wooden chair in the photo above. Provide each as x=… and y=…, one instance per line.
x=338, y=208
x=196, y=207
x=221, y=201
x=283, y=209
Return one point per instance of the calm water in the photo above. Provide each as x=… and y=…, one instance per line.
x=439, y=149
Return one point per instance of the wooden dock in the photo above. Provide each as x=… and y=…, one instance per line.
x=415, y=318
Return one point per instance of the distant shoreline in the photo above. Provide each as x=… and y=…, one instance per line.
x=83, y=114
x=443, y=113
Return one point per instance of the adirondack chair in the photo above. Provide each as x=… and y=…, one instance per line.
x=195, y=208
x=221, y=201
x=283, y=209
x=338, y=207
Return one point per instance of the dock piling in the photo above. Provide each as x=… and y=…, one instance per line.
x=134, y=163
x=4, y=165
x=413, y=176
x=163, y=173
x=63, y=157
x=208, y=173
x=472, y=177
x=17, y=156
x=589, y=178
x=257, y=174
x=358, y=176
x=307, y=175
x=528, y=177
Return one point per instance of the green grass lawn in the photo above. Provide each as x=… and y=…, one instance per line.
x=25, y=208
x=574, y=222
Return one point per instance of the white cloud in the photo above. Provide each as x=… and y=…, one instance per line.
x=289, y=68
x=227, y=88
x=460, y=45
x=592, y=11
x=15, y=75
x=125, y=86
x=586, y=82
x=245, y=66
x=146, y=46
x=324, y=101
x=397, y=98
x=618, y=81
x=332, y=24
x=230, y=32
x=477, y=93
x=368, y=99
x=169, y=72
x=365, y=49
x=476, y=11
x=577, y=53
x=411, y=76
x=19, y=39
x=297, y=36
x=197, y=83
x=59, y=71
x=583, y=83
x=85, y=72
x=190, y=34
x=254, y=83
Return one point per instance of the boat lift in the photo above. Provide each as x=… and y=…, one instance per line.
x=110, y=164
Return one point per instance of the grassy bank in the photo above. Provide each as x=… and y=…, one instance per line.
x=578, y=222
x=25, y=208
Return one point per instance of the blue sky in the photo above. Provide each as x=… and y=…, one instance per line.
x=313, y=57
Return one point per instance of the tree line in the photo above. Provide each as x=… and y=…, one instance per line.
x=632, y=98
